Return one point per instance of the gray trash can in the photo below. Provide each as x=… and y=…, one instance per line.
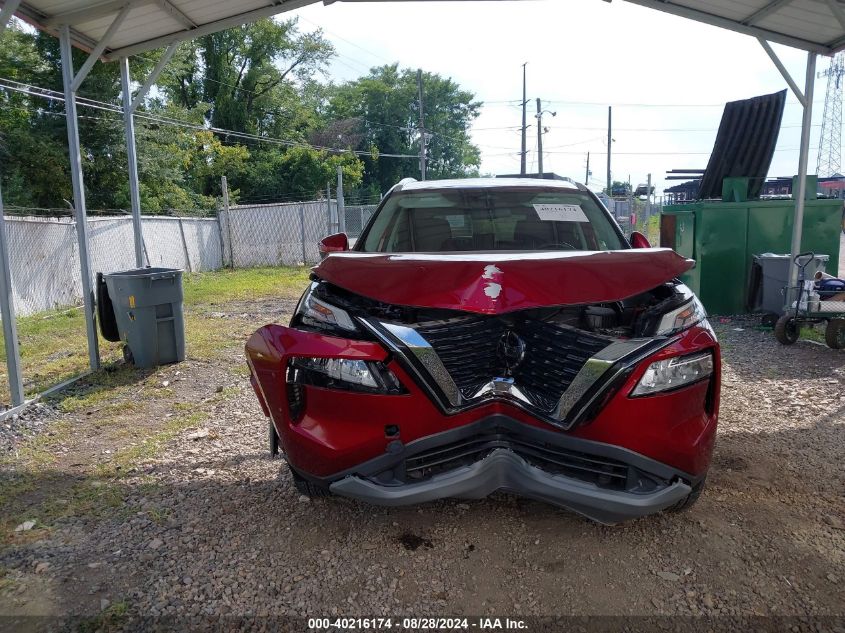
x=148, y=310
x=774, y=278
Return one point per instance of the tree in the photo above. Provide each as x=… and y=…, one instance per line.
x=385, y=104
x=246, y=103
x=247, y=72
x=298, y=173
x=620, y=188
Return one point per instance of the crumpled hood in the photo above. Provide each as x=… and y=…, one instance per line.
x=495, y=283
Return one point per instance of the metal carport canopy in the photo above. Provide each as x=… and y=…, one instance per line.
x=813, y=25
x=117, y=29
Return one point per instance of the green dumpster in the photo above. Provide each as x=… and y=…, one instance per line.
x=724, y=237
x=147, y=304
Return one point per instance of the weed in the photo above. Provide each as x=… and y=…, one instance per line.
x=109, y=619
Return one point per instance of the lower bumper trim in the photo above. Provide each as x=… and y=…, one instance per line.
x=504, y=470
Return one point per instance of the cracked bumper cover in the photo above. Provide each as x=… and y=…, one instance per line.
x=506, y=471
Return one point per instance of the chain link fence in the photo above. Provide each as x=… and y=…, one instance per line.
x=357, y=217
x=275, y=234
x=44, y=253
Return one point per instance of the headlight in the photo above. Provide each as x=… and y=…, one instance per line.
x=312, y=311
x=346, y=374
x=682, y=318
x=672, y=373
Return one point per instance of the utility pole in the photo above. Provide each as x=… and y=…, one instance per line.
x=609, y=141
x=524, y=152
x=539, y=138
x=587, y=176
x=422, y=124
x=830, y=142
x=540, y=131
x=341, y=205
x=647, y=203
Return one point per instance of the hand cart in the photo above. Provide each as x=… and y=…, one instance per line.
x=809, y=312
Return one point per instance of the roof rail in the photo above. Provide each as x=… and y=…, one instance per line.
x=398, y=186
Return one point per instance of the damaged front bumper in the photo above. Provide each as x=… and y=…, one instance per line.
x=605, y=483
x=503, y=470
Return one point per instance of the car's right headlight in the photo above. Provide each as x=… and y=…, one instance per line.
x=675, y=372
x=681, y=318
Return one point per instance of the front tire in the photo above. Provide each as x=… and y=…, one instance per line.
x=273, y=438
x=834, y=334
x=687, y=502
x=787, y=330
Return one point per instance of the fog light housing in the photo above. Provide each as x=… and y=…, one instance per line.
x=345, y=374
x=673, y=373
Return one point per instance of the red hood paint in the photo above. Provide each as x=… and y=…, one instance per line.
x=495, y=283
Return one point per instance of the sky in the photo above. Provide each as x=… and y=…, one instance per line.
x=666, y=77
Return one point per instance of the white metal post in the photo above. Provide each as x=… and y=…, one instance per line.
x=132, y=159
x=7, y=12
x=341, y=204
x=302, y=232
x=79, y=196
x=801, y=187
x=329, y=223
x=7, y=311
x=224, y=187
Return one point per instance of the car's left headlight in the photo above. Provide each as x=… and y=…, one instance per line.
x=675, y=372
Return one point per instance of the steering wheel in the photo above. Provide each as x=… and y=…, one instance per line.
x=551, y=245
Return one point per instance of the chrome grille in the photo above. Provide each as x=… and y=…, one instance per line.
x=469, y=350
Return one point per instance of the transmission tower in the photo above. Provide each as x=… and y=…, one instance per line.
x=830, y=145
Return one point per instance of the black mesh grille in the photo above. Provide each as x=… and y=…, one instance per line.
x=468, y=348
x=603, y=471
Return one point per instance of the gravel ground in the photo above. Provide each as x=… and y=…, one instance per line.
x=31, y=421
x=211, y=527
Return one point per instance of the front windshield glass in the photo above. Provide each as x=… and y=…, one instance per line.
x=490, y=219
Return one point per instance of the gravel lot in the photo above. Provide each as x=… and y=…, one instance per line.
x=208, y=525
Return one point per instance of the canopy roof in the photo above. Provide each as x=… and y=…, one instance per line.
x=146, y=24
x=811, y=25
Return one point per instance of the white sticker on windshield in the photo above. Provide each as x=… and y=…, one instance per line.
x=561, y=212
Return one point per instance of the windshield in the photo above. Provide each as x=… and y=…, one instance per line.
x=490, y=219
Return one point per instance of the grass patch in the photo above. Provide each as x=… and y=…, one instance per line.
x=30, y=489
x=226, y=285
x=53, y=345
x=813, y=333
x=112, y=618
x=53, y=348
x=87, y=497
x=100, y=388
x=125, y=459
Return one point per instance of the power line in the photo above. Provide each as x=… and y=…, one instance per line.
x=653, y=129
x=343, y=39
x=783, y=149
x=101, y=105
x=651, y=105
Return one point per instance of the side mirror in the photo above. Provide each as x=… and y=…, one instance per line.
x=638, y=240
x=336, y=243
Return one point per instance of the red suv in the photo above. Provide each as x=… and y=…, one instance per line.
x=494, y=334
